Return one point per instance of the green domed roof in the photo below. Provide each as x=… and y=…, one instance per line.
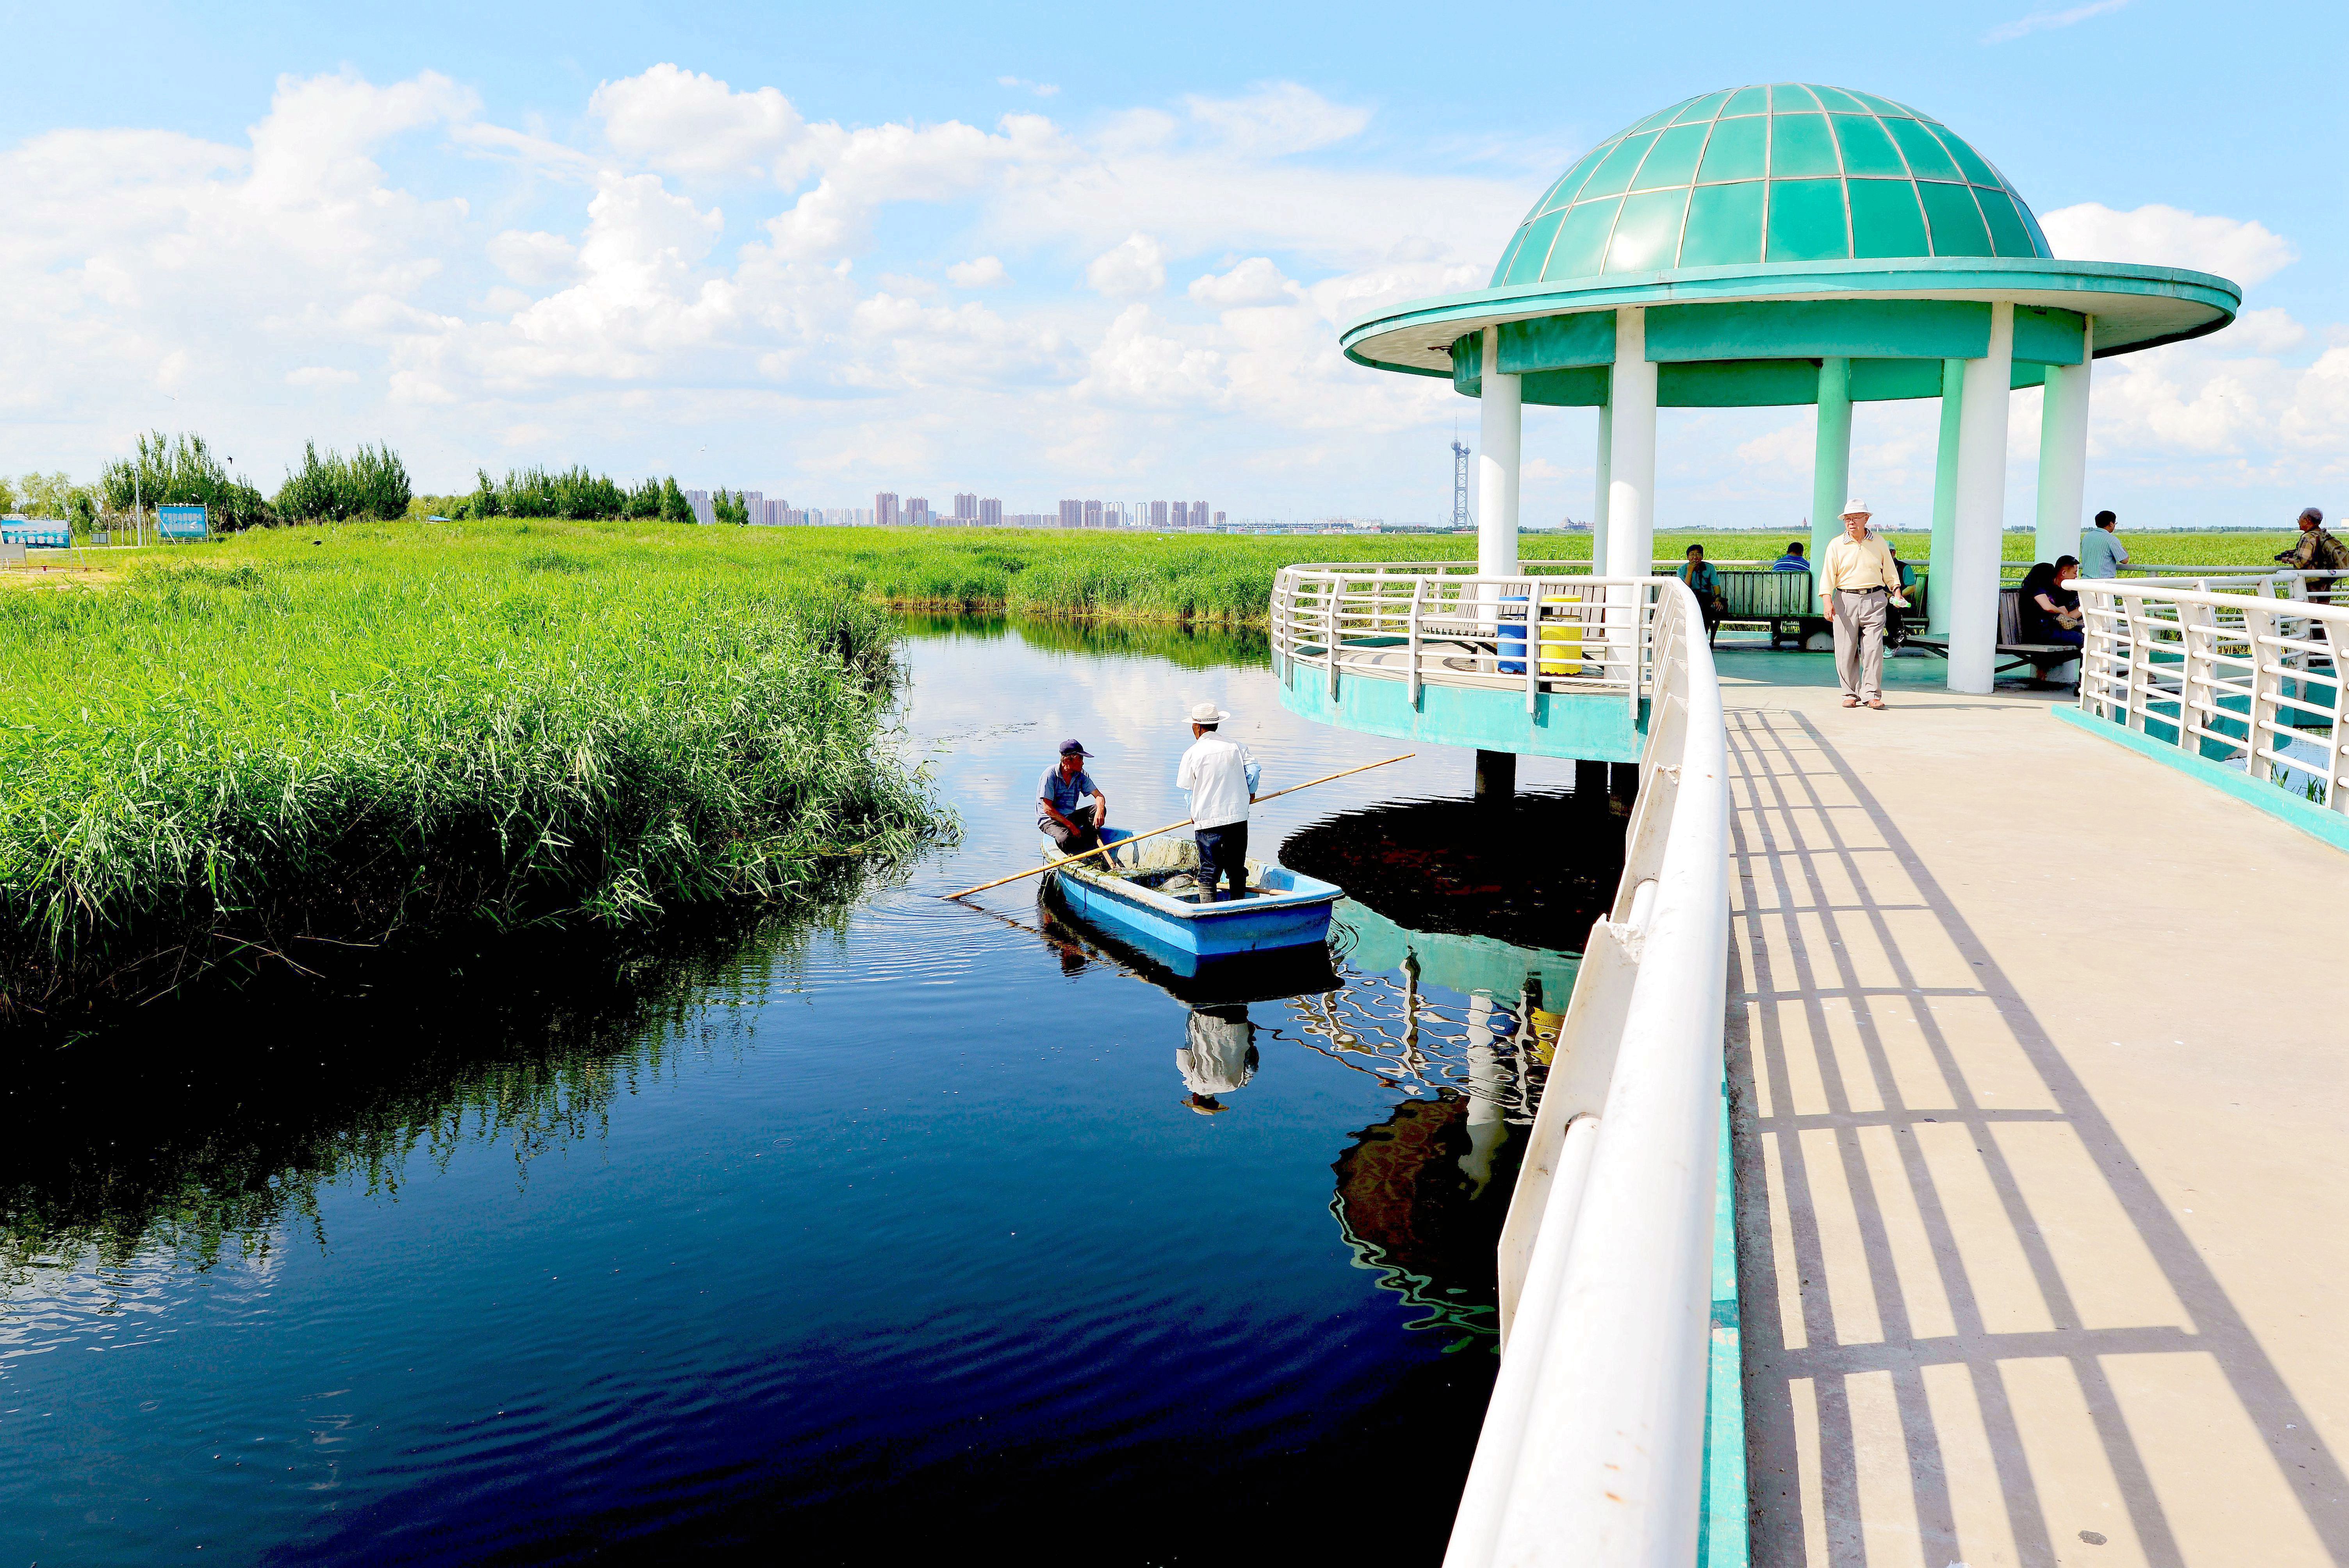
x=1791, y=172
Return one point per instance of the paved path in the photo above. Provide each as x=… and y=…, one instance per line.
x=2037, y=1051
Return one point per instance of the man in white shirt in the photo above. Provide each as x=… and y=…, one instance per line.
x=1221, y=777
x=2102, y=554
x=1858, y=582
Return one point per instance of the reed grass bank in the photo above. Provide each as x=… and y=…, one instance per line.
x=274, y=749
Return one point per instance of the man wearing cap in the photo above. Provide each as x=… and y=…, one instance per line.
x=2316, y=551
x=1073, y=828
x=1858, y=584
x=1222, y=777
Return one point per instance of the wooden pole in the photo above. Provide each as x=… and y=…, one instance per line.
x=1137, y=838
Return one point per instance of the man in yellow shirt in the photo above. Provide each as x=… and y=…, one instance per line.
x=1858, y=582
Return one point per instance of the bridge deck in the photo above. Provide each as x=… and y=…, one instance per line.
x=2039, y=1109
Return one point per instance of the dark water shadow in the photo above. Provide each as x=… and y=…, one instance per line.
x=1535, y=871
x=209, y=1130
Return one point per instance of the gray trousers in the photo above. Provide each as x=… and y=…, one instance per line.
x=1859, y=642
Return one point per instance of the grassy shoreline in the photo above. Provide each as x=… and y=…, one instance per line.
x=271, y=751
x=1035, y=573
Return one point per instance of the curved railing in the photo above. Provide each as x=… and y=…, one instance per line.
x=1442, y=624
x=2247, y=679
x=1592, y=1446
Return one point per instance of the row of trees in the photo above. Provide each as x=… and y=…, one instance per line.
x=573, y=494
x=372, y=482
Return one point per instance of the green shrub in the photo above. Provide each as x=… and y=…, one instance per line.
x=371, y=483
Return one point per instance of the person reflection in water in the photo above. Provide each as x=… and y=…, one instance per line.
x=1218, y=1056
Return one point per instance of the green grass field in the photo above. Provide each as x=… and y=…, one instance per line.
x=263, y=750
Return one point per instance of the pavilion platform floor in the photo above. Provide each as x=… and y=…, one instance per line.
x=2042, y=1139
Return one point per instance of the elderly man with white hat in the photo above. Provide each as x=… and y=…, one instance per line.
x=1858, y=582
x=1222, y=778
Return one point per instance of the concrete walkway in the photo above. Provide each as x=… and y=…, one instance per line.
x=2042, y=1130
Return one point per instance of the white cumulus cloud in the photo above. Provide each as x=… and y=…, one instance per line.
x=685, y=122
x=1253, y=281
x=1137, y=265
x=981, y=272
x=2240, y=250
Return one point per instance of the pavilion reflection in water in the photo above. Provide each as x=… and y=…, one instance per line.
x=1461, y=1025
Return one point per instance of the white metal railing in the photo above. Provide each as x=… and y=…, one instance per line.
x=1411, y=621
x=2246, y=678
x=1591, y=1451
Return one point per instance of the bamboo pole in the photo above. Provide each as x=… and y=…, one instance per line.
x=1137, y=838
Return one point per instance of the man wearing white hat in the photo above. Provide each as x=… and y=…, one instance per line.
x=1858, y=582
x=1222, y=777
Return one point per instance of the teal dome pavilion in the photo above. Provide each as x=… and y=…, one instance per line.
x=1785, y=244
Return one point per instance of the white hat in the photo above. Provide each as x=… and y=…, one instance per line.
x=1854, y=505
x=1207, y=713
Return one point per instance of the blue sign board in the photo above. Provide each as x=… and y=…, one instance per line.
x=180, y=522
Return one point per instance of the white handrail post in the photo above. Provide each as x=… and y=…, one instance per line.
x=1418, y=587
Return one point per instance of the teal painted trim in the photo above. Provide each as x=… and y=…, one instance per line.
x=1585, y=388
x=1597, y=728
x=1830, y=455
x=2202, y=303
x=1468, y=364
x=1943, y=549
x=1721, y=1540
x=1737, y=383
x=1559, y=342
x=2046, y=337
x=1887, y=380
x=2309, y=817
x=1820, y=329
x=2025, y=373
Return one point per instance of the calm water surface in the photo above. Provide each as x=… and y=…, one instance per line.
x=906, y=1231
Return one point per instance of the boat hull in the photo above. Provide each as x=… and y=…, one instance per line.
x=1293, y=910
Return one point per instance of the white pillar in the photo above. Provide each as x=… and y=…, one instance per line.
x=1501, y=431
x=1831, y=455
x=1981, y=509
x=1631, y=459
x=1598, y=490
x=2063, y=453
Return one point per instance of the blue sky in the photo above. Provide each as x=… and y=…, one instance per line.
x=1063, y=251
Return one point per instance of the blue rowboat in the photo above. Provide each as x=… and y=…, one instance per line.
x=1149, y=892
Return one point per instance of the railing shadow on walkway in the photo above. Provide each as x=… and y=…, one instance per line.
x=1878, y=1053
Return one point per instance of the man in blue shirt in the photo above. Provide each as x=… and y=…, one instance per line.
x=1793, y=561
x=1706, y=584
x=1074, y=827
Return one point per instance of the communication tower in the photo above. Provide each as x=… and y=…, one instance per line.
x=1459, y=482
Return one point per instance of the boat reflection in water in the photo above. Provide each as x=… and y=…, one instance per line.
x=1461, y=1026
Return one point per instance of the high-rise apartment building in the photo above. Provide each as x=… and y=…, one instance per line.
x=1157, y=514
x=699, y=500
x=1092, y=515
x=1219, y=520
x=990, y=512
x=1198, y=514
x=918, y=511
x=1073, y=514
x=885, y=509
x=965, y=507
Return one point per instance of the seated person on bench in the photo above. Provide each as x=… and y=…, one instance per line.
x=1793, y=561
x=2051, y=611
x=1895, y=625
x=1706, y=584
